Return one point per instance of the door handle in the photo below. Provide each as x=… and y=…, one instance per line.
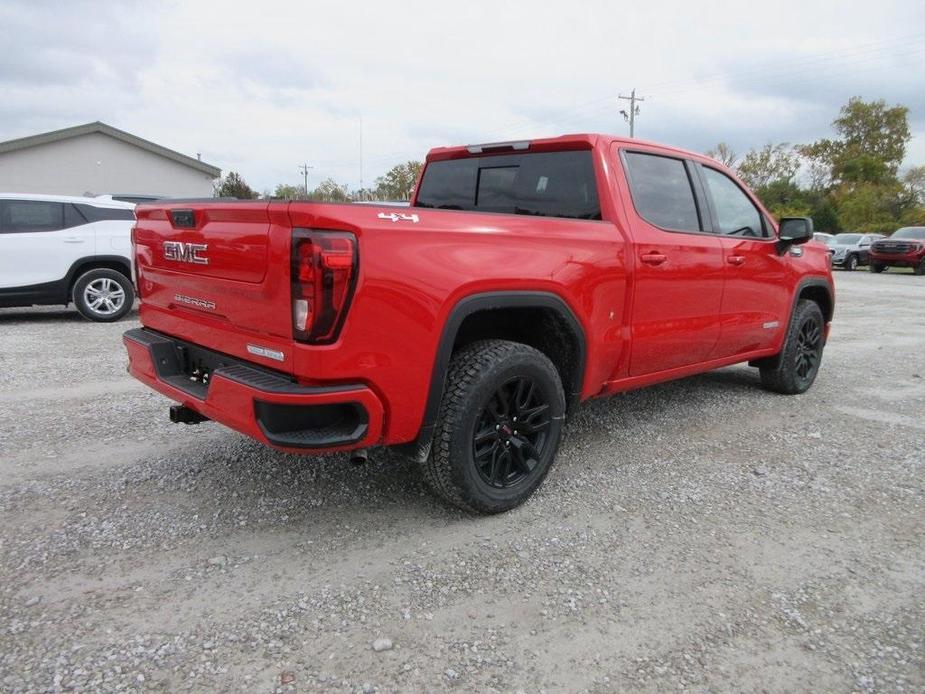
x=736, y=259
x=73, y=239
x=653, y=258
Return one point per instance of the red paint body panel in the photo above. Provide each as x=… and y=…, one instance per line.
x=642, y=323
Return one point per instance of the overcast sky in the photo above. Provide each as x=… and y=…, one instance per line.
x=260, y=87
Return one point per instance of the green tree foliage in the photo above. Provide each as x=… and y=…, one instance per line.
x=288, y=192
x=770, y=164
x=233, y=186
x=398, y=182
x=330, y=190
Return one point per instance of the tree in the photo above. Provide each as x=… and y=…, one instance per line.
x=771, y=163
x=233, y=186
x=288, y=192
x=914, y=185
x=723, y=154
x=398, y=182
x=330, y=190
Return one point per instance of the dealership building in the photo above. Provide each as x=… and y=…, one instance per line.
x=97, y=159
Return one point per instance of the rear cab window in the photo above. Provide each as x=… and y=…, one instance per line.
x=662, y=191
x=542, y=184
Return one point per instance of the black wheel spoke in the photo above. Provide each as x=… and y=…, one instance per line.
x=511, y=433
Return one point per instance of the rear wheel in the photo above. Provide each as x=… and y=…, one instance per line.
x=498, y=428
x=876, y=267
x=793, y=370
x=851, y=262
x=103, y=295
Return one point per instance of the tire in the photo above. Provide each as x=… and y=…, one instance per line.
x=490, y=385
x=793, y=370
x=876, y=267
x=851, y=263
x=103, y=295
x=920, y=268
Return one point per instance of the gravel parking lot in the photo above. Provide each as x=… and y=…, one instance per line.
x=701, y=535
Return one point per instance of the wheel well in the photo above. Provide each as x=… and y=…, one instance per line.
x=821, y=296
x=542, y=328
x=80, y=268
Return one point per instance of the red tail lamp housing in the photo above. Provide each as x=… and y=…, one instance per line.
x=324, y=272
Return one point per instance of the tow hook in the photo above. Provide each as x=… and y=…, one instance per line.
x=359, y=457
x=180, y=414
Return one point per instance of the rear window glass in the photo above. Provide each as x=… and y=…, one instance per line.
x=545, y=184
x=662, y=191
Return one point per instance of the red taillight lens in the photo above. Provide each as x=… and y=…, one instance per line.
x=324, y=268
x=135, y=262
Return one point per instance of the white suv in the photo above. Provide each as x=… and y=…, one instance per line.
x=56, y=249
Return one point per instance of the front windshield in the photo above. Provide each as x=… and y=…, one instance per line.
x=847, y=239
x=910, y=233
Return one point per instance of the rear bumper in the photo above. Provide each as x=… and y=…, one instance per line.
x=263, y=404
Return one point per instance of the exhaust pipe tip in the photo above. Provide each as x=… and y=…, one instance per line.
x=180, y=414
x=360, y=457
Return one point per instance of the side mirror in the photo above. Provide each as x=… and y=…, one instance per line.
x=793, y=231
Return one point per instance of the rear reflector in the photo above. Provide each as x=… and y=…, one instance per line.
x=324, y=269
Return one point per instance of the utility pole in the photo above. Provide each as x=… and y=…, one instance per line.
x=304, y=169
x=634, y=110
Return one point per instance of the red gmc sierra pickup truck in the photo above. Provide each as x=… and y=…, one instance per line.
x=524, y=277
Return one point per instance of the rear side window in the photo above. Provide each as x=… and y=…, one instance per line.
x=23, y=216
x=544, y=184
x=736, y=214
x=100, y=214
x=662, y=191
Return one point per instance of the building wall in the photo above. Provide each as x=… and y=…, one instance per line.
x=98, y=164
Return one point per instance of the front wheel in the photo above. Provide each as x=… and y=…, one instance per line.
x=920, y=268
x=498, y=428
x=851, y=263
x=793, y=370
x=876, y=267
x=103, y=295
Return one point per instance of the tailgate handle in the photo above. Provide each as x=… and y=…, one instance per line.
x=185, y=219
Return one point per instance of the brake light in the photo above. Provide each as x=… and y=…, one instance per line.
x=324, y=268
x=135, y=262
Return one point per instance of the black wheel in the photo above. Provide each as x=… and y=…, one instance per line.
x=498, y=428
x=794, y=369
x=920, y=268
x=851, y=262
x=876, y=267
x=103, y=295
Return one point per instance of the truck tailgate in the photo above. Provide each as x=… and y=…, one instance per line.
x=217, y=273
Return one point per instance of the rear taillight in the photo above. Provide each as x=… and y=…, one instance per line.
x=135, y=263
x=324, y=269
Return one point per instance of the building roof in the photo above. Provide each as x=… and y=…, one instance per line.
x=98, y=127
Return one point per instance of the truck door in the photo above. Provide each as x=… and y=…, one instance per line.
x=678, y=265
x=756, y=301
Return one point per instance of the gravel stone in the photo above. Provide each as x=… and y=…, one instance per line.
x=653, y=559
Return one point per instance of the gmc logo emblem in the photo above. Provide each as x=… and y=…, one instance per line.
x=186, y=252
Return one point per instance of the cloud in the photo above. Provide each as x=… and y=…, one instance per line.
x=264, y=89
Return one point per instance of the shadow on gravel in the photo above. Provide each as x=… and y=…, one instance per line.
x=62, y=315
x=235, y=480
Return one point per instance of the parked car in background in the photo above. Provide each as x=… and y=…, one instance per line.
x=851, y=250
x=825, y=238
x=905, y=248
x=58, y=250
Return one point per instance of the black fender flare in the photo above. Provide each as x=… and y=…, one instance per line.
x=91, y=262
x=465, y=307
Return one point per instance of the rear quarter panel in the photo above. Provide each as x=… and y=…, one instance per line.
x=413, y=274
